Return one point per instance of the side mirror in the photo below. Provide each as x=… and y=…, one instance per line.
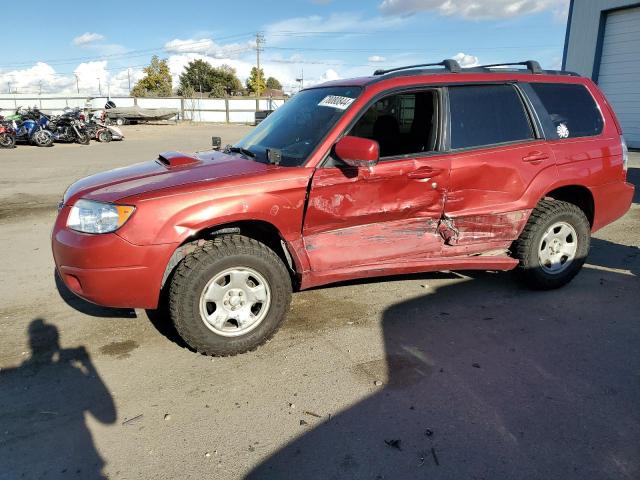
x=216, y=142
x=357, y=151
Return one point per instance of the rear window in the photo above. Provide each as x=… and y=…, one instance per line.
x=486, y=115
x=572, y=109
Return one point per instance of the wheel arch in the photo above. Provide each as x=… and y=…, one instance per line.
x=260, y=230
x=578, y=195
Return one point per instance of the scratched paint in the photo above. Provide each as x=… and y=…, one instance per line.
x=373, y=243
x=483, y=228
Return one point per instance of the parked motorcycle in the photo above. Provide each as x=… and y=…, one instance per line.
x=7, y=135
x=29, y=126
x=103, y=131
x=68, y=127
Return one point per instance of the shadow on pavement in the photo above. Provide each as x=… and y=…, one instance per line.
x=44, y=401
x=486, y=379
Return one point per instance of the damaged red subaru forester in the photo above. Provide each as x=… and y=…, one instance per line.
x=421, y=168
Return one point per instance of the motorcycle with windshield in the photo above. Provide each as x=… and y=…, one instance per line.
x=68, y=127
x=29, y=126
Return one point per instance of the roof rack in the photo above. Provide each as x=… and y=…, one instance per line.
x=449, y=64
x=532, y=66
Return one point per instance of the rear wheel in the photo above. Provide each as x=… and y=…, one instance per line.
x=553, y=245
x=229, y=296
x=42, y=138
x=105, y=136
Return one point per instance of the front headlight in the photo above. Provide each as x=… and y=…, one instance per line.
x=88, y=216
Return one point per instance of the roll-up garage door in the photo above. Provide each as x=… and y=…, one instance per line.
x=619, y=74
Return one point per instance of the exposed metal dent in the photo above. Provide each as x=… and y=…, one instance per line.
x=483, y=228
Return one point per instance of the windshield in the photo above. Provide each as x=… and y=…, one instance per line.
x=297, y=127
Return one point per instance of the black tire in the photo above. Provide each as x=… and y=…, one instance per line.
x=7, y=140
x=202, y=265
x=83, y=138
x=105, y=136
x=525, y=249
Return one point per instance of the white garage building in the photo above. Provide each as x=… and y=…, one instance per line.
x=603, y=42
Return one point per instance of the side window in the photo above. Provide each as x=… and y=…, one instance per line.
x=572, y=109
x=486, y=115
x=402, y=124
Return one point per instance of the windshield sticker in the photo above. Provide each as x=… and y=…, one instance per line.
x=336, y=101
x=563, y=131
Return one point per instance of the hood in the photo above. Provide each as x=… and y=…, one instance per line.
x=170, y=170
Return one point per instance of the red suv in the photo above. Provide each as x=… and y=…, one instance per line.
x=421, y=168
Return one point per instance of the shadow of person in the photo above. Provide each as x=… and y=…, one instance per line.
x=43, y=432
x=485, y=379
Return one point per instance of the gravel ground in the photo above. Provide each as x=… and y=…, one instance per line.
x=441, y=375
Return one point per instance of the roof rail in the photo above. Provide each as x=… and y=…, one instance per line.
x=532, y=66
x=449, y=64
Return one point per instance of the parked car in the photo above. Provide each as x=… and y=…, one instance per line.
x=414, y=169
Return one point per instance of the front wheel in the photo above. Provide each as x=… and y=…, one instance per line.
x=7, y=140
x=229, y=296
x=553, y=245
x=83, y=138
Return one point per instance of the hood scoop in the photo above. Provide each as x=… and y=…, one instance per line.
x=177, y=159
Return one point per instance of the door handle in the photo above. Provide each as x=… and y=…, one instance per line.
x=424, y=173
x=535, y=157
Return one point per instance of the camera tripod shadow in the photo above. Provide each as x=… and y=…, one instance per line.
x=44, y=401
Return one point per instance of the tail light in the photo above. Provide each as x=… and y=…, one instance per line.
x=625, y=154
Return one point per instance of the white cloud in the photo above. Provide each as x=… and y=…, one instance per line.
x=474, y=9
x=376, y=59
x=87, y=38
x=206, y=46
x=465, y=60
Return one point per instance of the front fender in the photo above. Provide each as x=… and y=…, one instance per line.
x=173, y=218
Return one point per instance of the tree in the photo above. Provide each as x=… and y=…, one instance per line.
x=156, y=82
x=203, y=77
x=273, y=84
x=255, y=82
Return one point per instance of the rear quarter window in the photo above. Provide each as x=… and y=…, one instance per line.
x=573, y=111
x=484, y=115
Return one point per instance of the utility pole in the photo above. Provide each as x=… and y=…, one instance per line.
x=129, y=77
x=99, y=86
x=77, y=83
x=259, y=43
x=301, y=79
x=40, y=87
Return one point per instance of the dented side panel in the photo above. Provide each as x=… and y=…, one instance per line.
x=479, y=229
x=356, y=216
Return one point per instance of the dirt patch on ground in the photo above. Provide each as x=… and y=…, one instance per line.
x=119, y=349
x=315, y=310
x=21, y=205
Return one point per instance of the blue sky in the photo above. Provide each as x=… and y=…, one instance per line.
x=325, y=39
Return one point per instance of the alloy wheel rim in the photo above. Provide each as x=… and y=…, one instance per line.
x=557, y=248
x=235, y=301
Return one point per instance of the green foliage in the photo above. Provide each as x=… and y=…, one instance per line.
x=273, y=83
x=255, y=82
x=156, y=82
x=200, y=76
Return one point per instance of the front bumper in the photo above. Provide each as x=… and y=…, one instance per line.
x=106, y=269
